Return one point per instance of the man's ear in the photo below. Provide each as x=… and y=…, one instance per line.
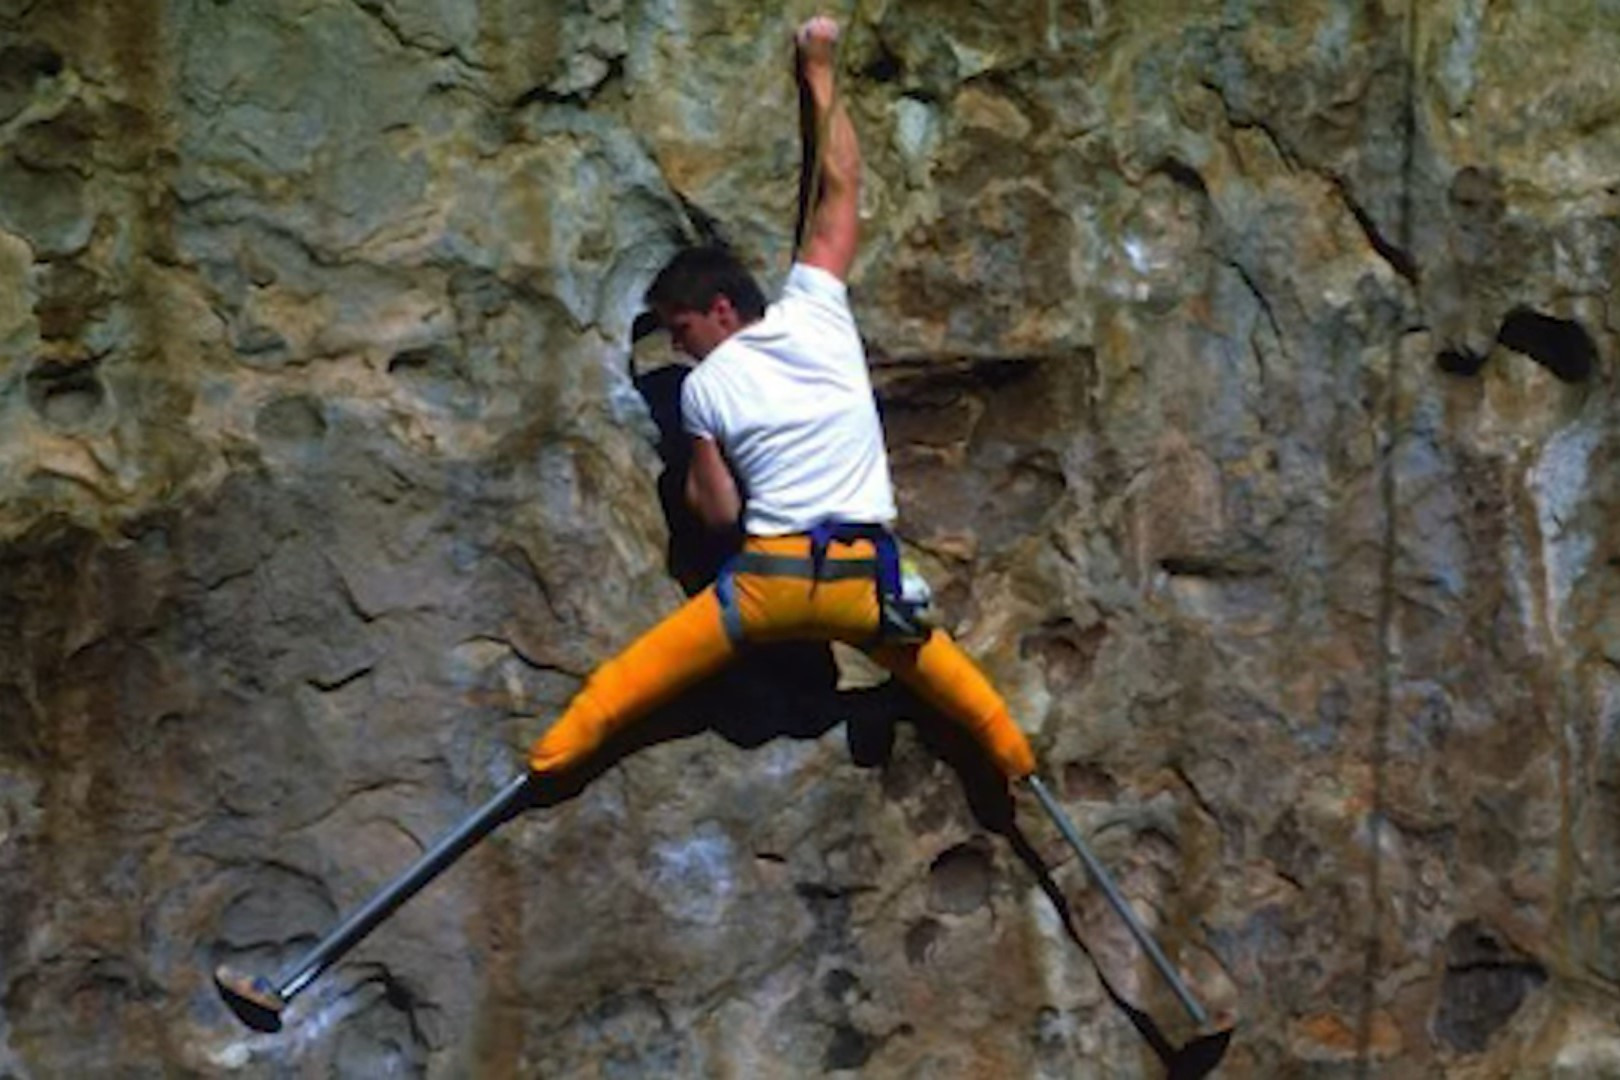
x=724, y=312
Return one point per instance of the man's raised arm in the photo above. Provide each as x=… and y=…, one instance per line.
x=833, y=204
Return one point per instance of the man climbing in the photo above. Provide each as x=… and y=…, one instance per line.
x=786, y=436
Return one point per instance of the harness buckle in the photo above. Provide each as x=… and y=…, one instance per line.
x=905, y=602
x=908, y=617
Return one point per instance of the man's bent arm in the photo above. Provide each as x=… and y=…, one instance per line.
x=711, y=491
x=834, y=205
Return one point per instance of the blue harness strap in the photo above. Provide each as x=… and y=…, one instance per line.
x=824, y=533
x=725, y=591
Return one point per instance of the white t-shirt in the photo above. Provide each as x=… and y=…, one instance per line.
x=789, y=400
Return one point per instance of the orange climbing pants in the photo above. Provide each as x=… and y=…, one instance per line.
x=693, y=643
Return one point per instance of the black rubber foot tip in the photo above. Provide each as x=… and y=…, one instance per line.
x=1199, y=1057
x=252, y=998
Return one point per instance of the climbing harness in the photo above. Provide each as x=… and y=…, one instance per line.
x=905, y=602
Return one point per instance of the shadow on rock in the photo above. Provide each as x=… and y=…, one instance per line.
x=694, y=554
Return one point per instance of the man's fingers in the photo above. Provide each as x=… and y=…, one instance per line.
x=819, y=26
x=822, y=30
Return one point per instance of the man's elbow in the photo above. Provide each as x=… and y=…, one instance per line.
x=840, y=180
x=713, y=513
x=694, y=502
x=720, y=519
x=841, y=169
x=709, y=516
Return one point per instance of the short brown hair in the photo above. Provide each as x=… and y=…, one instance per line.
x=696, y=275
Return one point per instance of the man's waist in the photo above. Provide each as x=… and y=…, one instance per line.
x=798, y=545
x=765, y=515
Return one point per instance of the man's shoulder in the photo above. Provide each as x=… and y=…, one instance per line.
x=720, y=371
x=727, y=355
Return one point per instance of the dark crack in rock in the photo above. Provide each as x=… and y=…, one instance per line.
x=1485, y=983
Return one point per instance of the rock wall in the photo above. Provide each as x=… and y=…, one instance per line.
x=1250, y=378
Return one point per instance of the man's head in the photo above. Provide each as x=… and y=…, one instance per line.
x=702, y=296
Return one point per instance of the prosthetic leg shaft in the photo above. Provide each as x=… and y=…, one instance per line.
x=258, y=1002
x=1118, y=902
